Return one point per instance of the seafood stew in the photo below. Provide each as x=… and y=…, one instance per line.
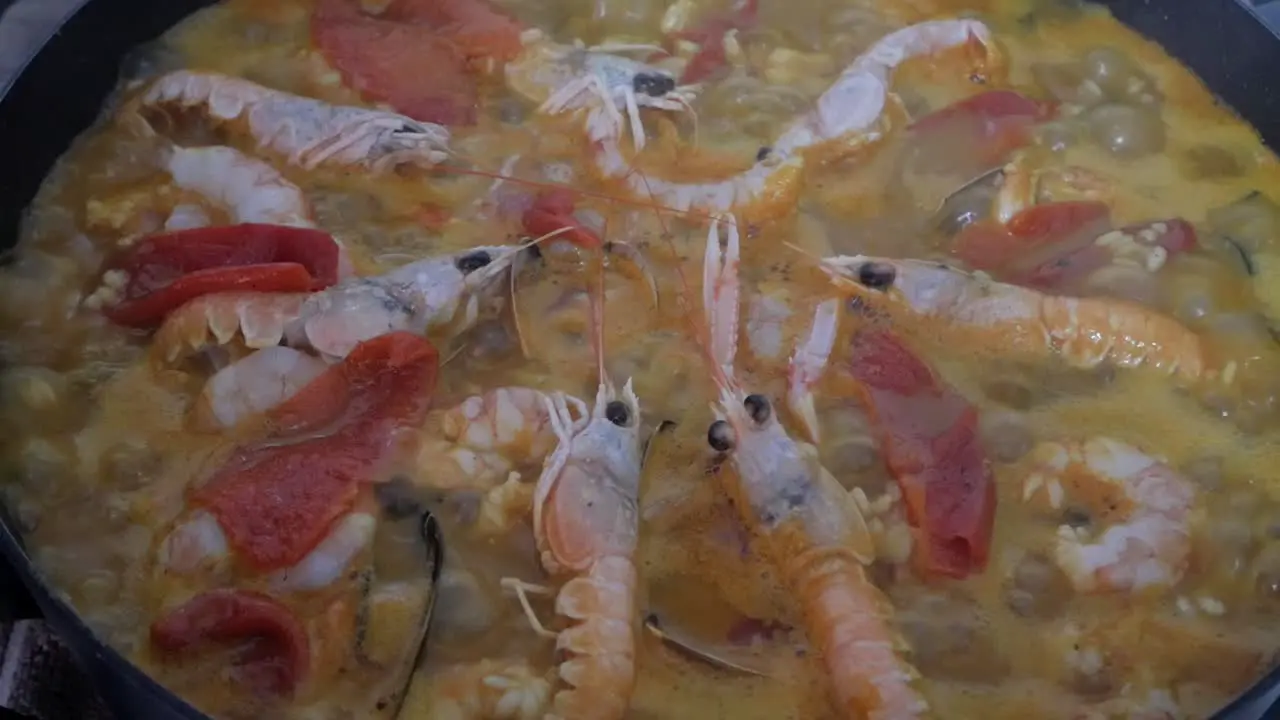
x=996, y=440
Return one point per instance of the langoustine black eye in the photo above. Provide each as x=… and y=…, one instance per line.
x=653, y=84
x=720, y=436
x=877, y=275
x=471, y=262
x=618, y=413
x=757, y=407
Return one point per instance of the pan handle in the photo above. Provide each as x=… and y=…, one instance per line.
x=43, y=662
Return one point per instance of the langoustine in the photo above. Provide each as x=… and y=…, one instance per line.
x=283, y=531
x=586, y=523
x=1083, y=332
x=309, y=133
x=598, y=83
x=422, y=295
x=853, y=113
x=812, y=529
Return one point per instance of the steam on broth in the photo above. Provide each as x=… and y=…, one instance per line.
x=665, y=359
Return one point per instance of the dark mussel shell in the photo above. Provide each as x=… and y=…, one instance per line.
x=389, y=704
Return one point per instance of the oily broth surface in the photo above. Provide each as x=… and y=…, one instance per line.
x=100, y=453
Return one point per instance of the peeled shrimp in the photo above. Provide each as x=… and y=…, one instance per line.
x=479, y=442
x=197, y=547
x=505, y=505
x=487, y=690
x=251, y=190
x=329, y=560
x=1084, y=332
x=308, y=132
x=812, y=529
x=186, y=217
x=1150, y=545
x=850, y=115
x=194, y=545
x=255, y=384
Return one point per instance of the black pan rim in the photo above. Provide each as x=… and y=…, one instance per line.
x=1262, y=111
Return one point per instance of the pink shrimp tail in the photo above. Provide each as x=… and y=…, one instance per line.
x=848, y=620
x=600, y=669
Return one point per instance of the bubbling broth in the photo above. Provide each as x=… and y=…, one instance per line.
x=510, y=359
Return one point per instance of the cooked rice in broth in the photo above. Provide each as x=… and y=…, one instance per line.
x=449, y=359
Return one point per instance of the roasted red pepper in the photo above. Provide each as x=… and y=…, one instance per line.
x=165, y=271
x=929, y=435
x=553, y=210
x=709, y=35
x=276, y=661
x=416, y=55
x=277, y=498
x=990, y=107
x=1053, y=245
x=980, y=131
x=991, y=246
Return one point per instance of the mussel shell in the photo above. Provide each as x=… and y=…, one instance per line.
x=389, y=705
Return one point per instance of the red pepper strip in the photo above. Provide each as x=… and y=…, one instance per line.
x=990, y=246
x=553, y=210
x=929, y=434
x=1052, y=246
x=378, y=55
x=1175, y=236
x=277, y=662
x=987, y=106
x=980, y=131
x=277, y=498
x=168, y=270
x=710, y=37
x=150, y=309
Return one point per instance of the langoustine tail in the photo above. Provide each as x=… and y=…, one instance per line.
x=849, y=621
x=600, y=670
